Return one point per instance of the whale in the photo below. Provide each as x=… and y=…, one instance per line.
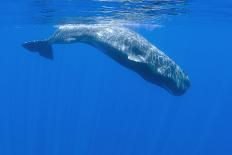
x=123, y=45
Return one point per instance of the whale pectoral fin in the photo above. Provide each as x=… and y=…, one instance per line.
x=135, y=58
x=70, y=40
x=44, y=48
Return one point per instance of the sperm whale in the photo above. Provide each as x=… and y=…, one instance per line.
x=123, y=45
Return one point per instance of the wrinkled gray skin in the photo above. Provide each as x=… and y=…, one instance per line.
x=130, y=50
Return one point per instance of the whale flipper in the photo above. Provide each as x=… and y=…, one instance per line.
x=44, y=48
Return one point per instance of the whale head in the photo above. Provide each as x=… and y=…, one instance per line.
x=178, y=86
x=168, y=76
x=174, y=80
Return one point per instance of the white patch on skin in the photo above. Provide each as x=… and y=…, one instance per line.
x=160, y=70
x=67, y=26
x=99, y=34
x=123, y=47
x=109, y=30
x=70, y=39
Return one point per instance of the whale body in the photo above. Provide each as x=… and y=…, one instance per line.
x=124, y=46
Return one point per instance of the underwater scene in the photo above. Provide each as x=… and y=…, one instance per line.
x=116, y=77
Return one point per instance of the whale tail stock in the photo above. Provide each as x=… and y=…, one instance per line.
x=43, y=47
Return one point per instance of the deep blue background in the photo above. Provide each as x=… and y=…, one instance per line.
x=84, y=103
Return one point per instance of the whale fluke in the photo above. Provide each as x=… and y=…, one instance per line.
x=44, y=48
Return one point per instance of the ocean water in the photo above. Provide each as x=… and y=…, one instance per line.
x=85, y=103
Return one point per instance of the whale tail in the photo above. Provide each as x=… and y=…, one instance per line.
x=44, y=48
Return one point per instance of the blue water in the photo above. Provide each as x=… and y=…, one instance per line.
x=84, y=103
